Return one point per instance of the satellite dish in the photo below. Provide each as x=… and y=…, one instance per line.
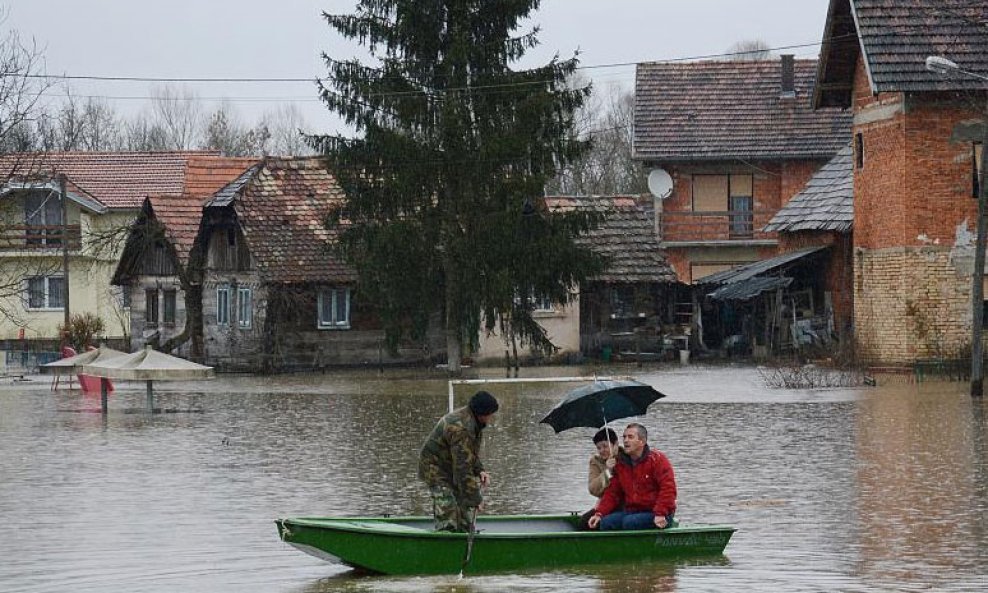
x=660, y=183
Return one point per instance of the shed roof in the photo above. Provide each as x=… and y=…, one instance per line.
x=626, y=237
x=896, y=37
x=759, y=267
x=825, y=204
x=720, y=110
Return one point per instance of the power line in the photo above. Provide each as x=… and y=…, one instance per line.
x=104, y=78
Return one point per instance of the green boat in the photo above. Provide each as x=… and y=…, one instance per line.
x=409, y=545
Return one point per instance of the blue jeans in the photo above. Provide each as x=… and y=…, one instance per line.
x=623, y=520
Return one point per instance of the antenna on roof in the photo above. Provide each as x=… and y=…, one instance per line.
x=660, y=183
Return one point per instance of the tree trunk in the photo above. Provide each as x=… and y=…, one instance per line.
x=454, y=348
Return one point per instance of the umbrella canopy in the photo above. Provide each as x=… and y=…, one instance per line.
x=598, y=403
x=74, y=364
x=148, y=365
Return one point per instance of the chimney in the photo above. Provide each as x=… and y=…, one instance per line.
x=788, y=77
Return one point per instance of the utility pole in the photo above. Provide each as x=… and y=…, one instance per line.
x=948, y=68
x=65, y=251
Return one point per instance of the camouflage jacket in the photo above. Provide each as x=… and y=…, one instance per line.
x=451, y=456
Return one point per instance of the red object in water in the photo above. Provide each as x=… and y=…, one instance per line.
x=88, y=383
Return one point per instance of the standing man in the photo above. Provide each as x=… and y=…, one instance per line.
x=643, y=486
x=450, y=463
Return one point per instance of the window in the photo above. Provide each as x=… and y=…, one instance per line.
x=168, y=306
x=858, y=151
x=43, y=210
x=741, y=206
x=710, y=193
x=727, y=193
x=151, y=306
x=543, y=304
x=536, y=304
x=334, y=308
x=245, y=308
x=976, y=169
x=223, y=305
x=46, y=292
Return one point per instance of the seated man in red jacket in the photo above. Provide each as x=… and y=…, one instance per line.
x=643, y=486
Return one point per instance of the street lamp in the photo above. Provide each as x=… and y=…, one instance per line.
x=949, y=68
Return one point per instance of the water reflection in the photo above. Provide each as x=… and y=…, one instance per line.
x=871, y=491
x=629, y=578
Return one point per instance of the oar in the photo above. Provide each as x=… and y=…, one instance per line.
x=470, y=536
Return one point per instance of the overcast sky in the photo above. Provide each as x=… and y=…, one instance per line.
x=265, y=39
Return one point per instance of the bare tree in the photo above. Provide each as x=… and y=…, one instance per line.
x=287, y=128
x=143, y=133
x=750, y=49
x=20, y=89
x=178, y=113
x=225, y=132
x=21, y=93
x=607, y=168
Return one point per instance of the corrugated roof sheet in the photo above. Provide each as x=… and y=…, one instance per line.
x=758, y=268
x=897, y=37
x=750, y=288
x=825, y=204
x=627, y=238
x=716, y=110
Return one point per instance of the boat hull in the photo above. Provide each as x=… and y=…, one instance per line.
x=408, y=545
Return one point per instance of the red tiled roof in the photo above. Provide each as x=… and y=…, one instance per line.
x=206, y=175
x=720, y=110
x=181, y=214
x=124, y=179
x=282, y=210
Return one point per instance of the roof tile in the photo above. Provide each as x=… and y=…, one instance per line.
x=716, y=110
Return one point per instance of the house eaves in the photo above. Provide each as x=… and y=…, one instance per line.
x=78, y=197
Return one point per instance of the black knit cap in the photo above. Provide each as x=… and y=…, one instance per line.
x=605, y=434
x=483, y=403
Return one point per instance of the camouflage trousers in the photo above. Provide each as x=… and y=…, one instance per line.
x=449, y=513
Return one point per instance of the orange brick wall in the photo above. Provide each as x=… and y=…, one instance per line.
x=912, y=267
x=774, y=184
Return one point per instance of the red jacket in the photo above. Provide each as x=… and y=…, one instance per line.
x=645, y=485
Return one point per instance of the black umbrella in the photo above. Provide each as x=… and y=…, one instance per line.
x=598, y=403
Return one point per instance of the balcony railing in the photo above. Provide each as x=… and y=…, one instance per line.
x=730, y=225
x=31, y=237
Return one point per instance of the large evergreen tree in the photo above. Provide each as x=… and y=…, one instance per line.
x=445, y=176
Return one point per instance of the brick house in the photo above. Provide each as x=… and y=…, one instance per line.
x=154, y=269
x=739, y=139
x=105, y=191
x=916, y=141
x=275, y=296
x=822, y=214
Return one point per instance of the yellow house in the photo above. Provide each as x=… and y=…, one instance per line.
x=53, y=239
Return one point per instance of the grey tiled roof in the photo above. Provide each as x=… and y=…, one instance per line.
x=897, y=36
x=627, y=238
x=717, y=110
x=825, y=204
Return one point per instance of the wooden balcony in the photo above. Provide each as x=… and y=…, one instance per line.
x=741, y=226
x=28, y=237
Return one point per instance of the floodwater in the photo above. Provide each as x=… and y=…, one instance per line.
x=868, y=490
